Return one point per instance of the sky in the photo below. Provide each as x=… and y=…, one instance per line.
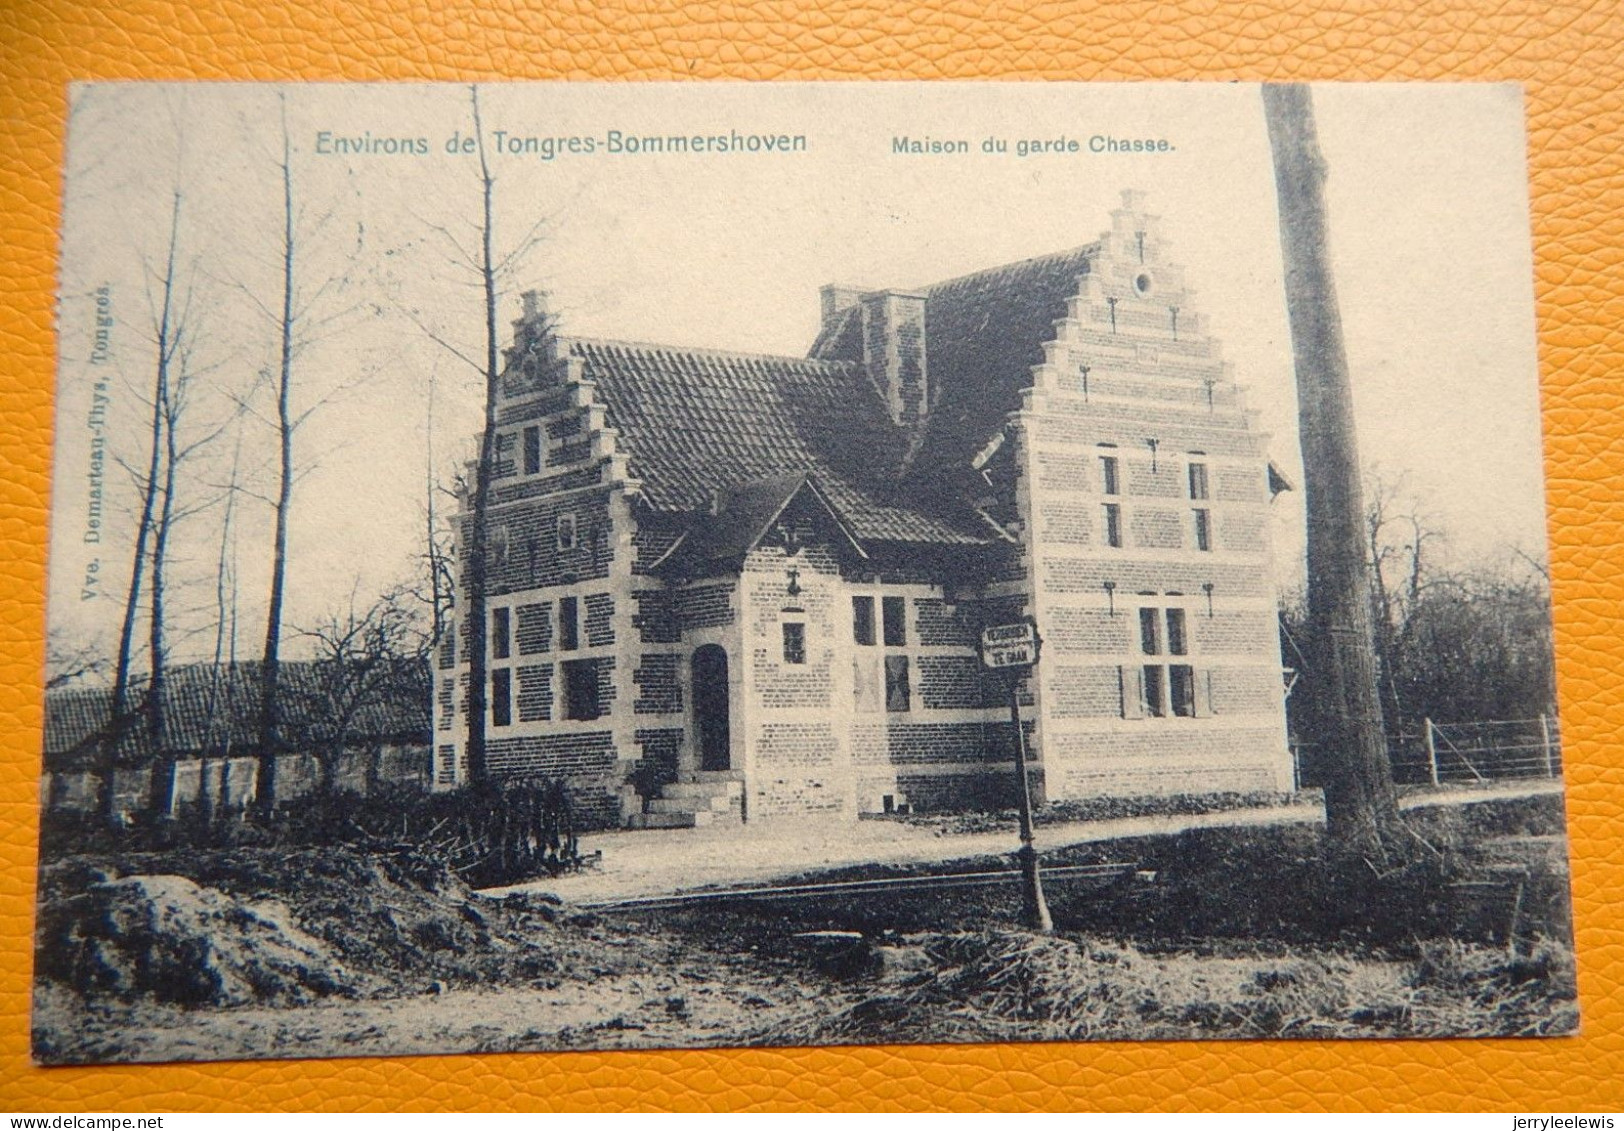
x=1427, y=197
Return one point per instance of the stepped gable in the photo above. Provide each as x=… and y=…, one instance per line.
x=983, y=334
x=695, y=422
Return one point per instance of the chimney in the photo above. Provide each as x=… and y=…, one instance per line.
x=894, y=354
x=887, y=337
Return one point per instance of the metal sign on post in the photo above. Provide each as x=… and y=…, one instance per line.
x=1010, y=645
x=1012, y=650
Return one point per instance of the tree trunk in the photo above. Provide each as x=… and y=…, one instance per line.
x=1360, y=805
x=475, y=556
x=162, y=793
x=439, y=597
x=270, y=737
x=222, y=676
x=120, y=714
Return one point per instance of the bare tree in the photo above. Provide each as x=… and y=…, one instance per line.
x=223, y=670
x=366, y=661
x=1458, y=641
x=171, y=400
x=270, y=668
x=1398, y=536
x=1476, y=646
x=477, y=579
x=296, y=322
x=170, y=337
x=68, y=662
x=1360, y=804
x=177, y=396
x=438, y=558
x=490, y=272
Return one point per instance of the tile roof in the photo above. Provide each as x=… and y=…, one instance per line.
x=217, y=709
x=693, y=422
x=983, y=334
x=696, y=422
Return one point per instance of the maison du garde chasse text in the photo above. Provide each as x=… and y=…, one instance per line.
x=617, y=143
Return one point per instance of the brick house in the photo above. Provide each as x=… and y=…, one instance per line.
x=732, y=586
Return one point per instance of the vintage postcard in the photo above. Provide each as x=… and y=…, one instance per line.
x=574, y=567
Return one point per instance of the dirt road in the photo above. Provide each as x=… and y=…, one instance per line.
x=666, y=861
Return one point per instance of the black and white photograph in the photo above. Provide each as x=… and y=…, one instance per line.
x=582, y=566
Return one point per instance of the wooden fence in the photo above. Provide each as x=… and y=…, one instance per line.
x=1489, y=750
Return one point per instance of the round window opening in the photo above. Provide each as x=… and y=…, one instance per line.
x=1142, y=284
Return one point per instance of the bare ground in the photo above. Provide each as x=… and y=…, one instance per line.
x=1243, y=934
x=657, y=1009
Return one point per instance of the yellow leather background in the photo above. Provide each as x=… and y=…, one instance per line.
x=1569, y=55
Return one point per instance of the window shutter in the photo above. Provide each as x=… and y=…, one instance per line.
x=866, y=683
x=1203, y=694
x=1130, y=680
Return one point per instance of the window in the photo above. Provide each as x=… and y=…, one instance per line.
x=1178, y=643
x=1165, y=688
x=896, y=684
x=1113, y=525
x=1181, y=688
x=1150, y=631
x=566, y=532
x=862, y=619
x=1110, y=483
x=532, y=450
x=1198, y=480
x=794, y=642
x=501, y=636
x=569, y=624
x=502, y=454
x=502, y=697
x=1203, y=529
x=893, y=633
x=895, y=611
x=1155, y=700
x=582, y=699
x=1203, y=516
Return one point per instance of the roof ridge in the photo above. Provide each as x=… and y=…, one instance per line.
x=842, y=367
x=1091, y=248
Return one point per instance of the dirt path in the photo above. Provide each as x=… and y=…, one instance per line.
x=659, y=1009
x=716, y=981
x=666, y=861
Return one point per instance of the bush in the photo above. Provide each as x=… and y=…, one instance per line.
x=490, y=834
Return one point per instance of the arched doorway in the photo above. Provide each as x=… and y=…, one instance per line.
x=711, y=726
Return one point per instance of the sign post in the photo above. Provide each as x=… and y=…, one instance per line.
x=1012, y=651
